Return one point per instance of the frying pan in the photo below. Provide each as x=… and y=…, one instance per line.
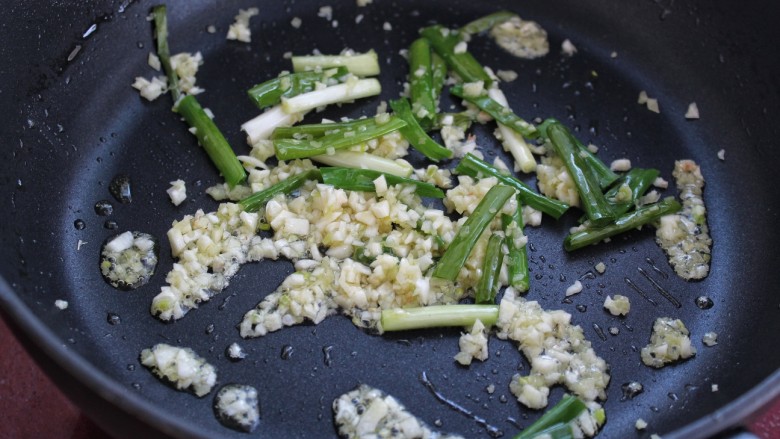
x=71, y=122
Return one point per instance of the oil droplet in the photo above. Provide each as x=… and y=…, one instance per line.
x=131, y=367
x=673, y=396
x=491, y=430
x=136, y=386
x=581, y=308
x=104, y=208
x=704, y=302
x=630, y=390
x=656, y=269
x=326, y=358
x=640, y=291
x=120, y=188
x=113, y=319
x=287, y=352
x=599, y=332
x=79, y=224
x=209, y=328
x=593, y=129
x=660, y=289
x=224, y=302
x=571, y=113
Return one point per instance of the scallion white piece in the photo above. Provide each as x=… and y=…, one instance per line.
x=364, y=160
x=348, y=91
x=263, y=125
x=512, y=140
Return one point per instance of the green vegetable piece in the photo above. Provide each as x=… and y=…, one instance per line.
x=416, y=135
x=639, y=217
x=443, y=41
x=594, y=203
x=564, y=412
x=421, y=81
x=461, y=120
x=163, y=51
x=628, y=189
x=557, y=431
x=517, y=257
x=212, y=140
x=474, y=167
x=271, y=92
x=363, y=180
x=312, y=131
x=256, y=201
x=599, y=170
x=638, y=181
x=438, y=75
x=459, y=249
x=206, y=131
x=437, y=316
x=487, y=286
x=488, y=21
x=500, y=113
x=359, y=64
x=288, y=149
x=603, y=175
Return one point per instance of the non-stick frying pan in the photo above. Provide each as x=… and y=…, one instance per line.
x=71, y=123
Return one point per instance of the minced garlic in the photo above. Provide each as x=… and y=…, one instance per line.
x=557, y=350
x=669, y=342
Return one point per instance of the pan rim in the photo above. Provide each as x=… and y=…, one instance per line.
x=102, y=386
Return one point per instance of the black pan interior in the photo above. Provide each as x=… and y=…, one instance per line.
x=71, y=123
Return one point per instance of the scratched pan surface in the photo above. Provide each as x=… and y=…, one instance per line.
x=71, y=122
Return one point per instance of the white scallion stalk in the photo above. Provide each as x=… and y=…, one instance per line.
x=361, y=64
x=512, y=140
x=348, y=91
x=364, y=160
x=263, y=125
